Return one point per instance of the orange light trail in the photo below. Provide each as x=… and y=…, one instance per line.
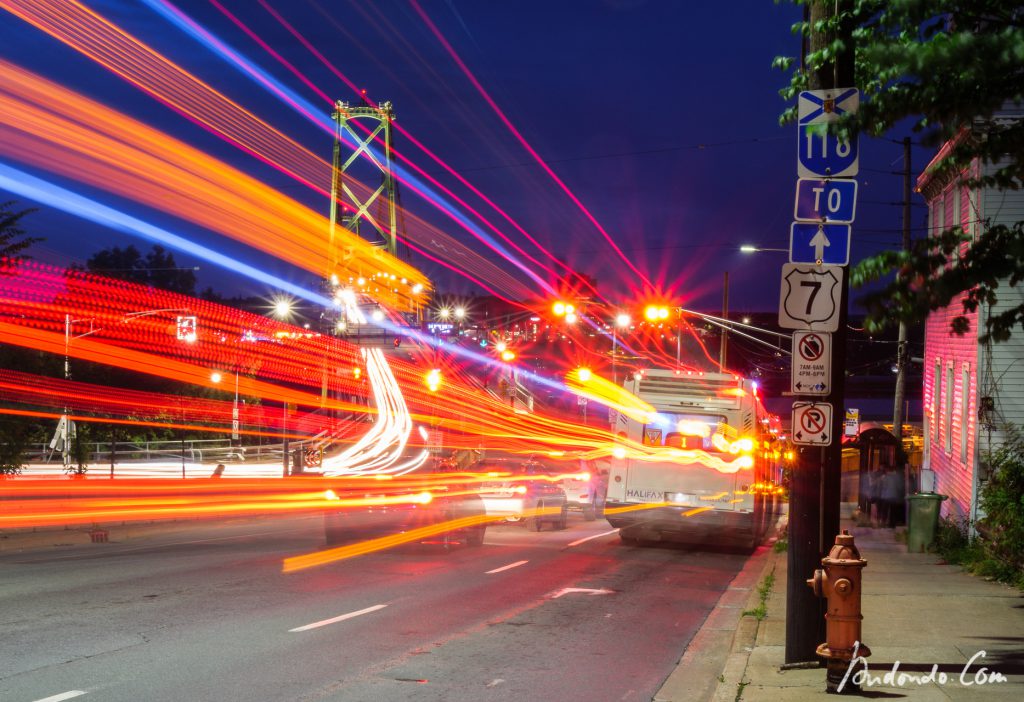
x=121, y=53
x=56, y=129
x=319, y=558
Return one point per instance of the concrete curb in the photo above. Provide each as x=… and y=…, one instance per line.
x=726, y=635
x=743, y=643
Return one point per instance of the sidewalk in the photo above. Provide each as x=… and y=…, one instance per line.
x=918, y=612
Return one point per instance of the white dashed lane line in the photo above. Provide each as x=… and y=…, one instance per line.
x=62, y=696
x=595, y=536
x=339, y=618
x=510, y=565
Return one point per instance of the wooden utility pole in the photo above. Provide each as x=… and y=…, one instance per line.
x=901, y=349
x=815, y=486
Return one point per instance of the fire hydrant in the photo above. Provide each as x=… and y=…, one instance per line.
x=839, y=581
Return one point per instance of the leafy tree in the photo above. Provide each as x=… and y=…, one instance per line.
x=157, y=268
x=16, y=433
x=949, y=67
x=12, y=237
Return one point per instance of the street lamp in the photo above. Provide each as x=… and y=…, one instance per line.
x=750, y=248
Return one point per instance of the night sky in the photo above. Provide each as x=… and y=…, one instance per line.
x=661, y=117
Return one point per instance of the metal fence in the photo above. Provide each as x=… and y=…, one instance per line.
x=195, y=451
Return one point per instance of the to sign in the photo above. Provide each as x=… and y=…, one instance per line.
x=818, y=152
x=830, y=201
x=812, y=423
x=812, y=363
x=810, y=297
x=819, y=243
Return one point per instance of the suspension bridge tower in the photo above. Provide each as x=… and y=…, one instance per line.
x=362, y=157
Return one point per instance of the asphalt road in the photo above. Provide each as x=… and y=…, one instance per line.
x=203, y=612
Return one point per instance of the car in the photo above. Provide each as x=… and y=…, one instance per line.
x=351, y=524
x=585, y=490
x=519, y=492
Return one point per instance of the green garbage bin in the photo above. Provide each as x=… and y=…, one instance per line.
x=922, y=520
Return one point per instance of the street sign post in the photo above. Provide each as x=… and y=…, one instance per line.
x=819, y=243
x=812, y=363
x=832, y=201
x=810, y=295
x=812, y=423
x=818, y=152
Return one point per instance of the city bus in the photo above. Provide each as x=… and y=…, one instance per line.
x=705, y=466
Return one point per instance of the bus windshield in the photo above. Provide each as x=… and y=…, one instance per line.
x=683, y=430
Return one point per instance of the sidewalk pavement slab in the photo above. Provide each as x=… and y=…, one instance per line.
x=920, y=614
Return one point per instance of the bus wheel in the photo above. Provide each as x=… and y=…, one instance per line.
x=475, y=537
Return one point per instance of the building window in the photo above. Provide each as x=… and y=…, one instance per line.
x=965, y=415
x=936, y=395
x=955, y=221
x=949, y=408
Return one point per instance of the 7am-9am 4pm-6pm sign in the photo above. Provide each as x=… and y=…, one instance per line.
x=820, y=154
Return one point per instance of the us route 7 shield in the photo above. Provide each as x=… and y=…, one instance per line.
x=812, y=363
x=812, y=423
x=810, y=297
x=820, y=154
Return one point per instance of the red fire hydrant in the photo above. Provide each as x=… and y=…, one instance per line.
x=839, y=581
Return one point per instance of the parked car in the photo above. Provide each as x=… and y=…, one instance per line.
x=352, y=524
x=520, y=492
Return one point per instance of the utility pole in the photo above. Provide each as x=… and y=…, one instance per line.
x=815, y=486
x=723, y=350
x=901, y=348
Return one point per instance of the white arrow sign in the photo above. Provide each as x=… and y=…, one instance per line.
x=820, y=242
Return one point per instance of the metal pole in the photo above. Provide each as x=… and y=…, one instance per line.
x=679, y=335
x=234, y=411
x=814, y=488
x=66, y=437
x=901, y=348
x=615, y=373
x=723, y=350
x=284, y=445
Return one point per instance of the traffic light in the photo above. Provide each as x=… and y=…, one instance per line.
x=655, y=313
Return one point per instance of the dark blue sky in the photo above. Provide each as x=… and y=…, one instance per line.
x=660, y=116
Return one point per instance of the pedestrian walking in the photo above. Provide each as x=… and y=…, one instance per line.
x=892, y=496
x=218, y=471
x=875, y=508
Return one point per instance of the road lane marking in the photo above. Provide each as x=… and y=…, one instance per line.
x=587, y=590
x=595, y=536
x=510, y=565
x=339, y=618
x=63, y=696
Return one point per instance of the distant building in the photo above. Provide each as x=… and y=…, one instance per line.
x=972, y=392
